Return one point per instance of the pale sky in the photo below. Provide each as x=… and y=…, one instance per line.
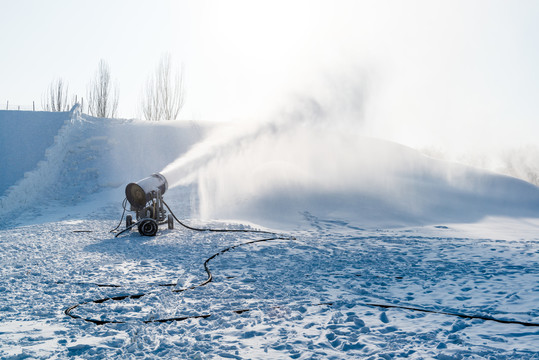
x=431, y=71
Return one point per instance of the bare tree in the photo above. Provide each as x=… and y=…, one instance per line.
x=163, y=96
x=56, y=98
x=101, y=94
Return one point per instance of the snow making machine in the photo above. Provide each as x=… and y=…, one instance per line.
x=146, y=200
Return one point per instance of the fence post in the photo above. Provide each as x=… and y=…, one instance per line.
x=7, y=105
x=33, y=106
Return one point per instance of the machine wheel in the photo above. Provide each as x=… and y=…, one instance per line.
x=170, y=221
x=148, y=227
x=128, y=221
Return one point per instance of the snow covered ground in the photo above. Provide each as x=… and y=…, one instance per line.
x=373, y=223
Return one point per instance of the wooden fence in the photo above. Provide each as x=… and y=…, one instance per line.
x=9, y=106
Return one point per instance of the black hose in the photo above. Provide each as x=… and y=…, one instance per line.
x=464, y=316
x=128, y=228
x=124, y=203
x=215, y=230
x=69, y=311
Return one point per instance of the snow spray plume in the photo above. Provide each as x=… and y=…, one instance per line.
x=312, y=145
x=340, y=100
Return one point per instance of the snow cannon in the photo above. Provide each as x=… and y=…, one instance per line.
x=146, y=200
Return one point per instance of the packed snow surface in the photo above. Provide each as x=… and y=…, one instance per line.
x=363, y=222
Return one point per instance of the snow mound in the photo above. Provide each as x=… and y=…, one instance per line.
x=280, y=173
